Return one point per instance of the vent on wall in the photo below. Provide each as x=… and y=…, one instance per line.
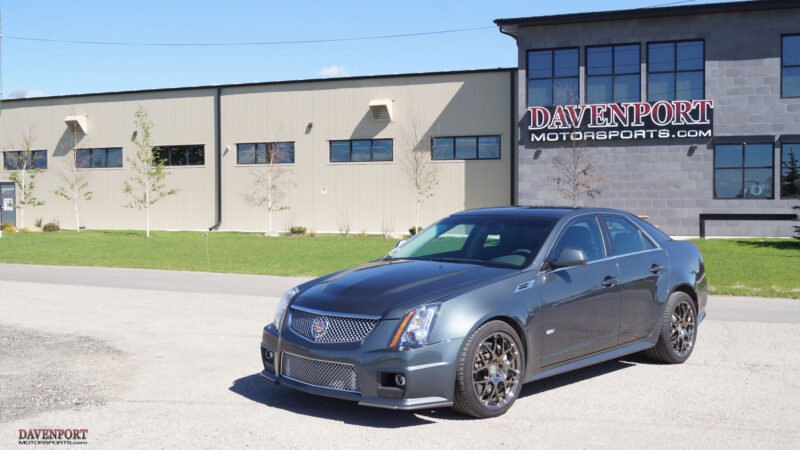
x=381, y=110
x=76, y=124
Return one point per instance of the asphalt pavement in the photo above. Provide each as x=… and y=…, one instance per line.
x=158, y=359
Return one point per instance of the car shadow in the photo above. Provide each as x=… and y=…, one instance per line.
x=256, y=389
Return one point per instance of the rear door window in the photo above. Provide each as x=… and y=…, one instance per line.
x=625, y=237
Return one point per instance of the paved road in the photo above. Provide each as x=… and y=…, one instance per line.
x=173, y=361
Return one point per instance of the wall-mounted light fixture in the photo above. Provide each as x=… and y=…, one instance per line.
x=692, y=148
x=537, y=153
x=133, y=135
x=310, y=125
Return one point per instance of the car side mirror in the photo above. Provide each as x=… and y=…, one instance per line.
x=569, y=257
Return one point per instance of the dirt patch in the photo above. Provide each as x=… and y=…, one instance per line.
x=48, y=371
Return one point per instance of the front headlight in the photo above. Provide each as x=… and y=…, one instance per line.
x=415, y=329
x=284, y=303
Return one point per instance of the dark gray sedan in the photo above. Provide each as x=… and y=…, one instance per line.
x=485, y=300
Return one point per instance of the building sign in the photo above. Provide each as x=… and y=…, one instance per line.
x=627, y=121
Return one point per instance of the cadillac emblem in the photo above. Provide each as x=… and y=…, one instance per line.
x=319, y=327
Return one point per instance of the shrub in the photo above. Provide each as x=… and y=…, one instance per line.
x=50, y=227
x=38, y=222
x=363, y=233
x=412, y=231
x=25, y=230
x=296, y=229
x=7, y=227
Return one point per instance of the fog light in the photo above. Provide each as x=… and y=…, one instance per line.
x=400, y=380
x=268, y=354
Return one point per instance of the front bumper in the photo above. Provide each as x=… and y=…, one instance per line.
x=429, y=371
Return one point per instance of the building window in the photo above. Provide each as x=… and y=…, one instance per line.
x=264, y=153
x=465, y=147
x=361, y=150
x=35, y=159
x=180, y=155
x=553, y=77
x=675, y=71
x=790, y=170
x=86, y=158
x=790, y=66
x=743, y=171
x=612, y=74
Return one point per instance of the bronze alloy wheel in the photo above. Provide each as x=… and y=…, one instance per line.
x=496, y=370
x=684, y=326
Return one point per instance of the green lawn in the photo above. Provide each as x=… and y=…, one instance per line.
x=759, y=267
x=186, y=250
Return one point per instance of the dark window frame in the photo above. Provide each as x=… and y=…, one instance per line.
x=552, y=78
x=743, y=143
x=675, y=71
x=642, y=234
x=613, y=73
x=186, y=148
x=350, y=148
x=781, y=167
x=783, y=36
x=477, y=147
x=91, y=163
x=266, y=144
x=34, y=155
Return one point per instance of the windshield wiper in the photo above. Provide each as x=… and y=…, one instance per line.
x=474, y=261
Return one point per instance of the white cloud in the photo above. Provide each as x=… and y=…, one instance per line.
x=333, y=71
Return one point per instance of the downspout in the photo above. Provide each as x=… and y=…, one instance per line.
x=513, y=136
x=217, y=159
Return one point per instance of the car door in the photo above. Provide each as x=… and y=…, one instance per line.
x=643, y=271
x=580, y=304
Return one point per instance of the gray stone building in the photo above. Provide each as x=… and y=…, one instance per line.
x=738, y=166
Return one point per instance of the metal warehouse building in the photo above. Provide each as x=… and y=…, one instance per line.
x=348, y=139
x=689, y=114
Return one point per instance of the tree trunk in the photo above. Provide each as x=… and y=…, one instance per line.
x=269, y=200
x=77, y=220
x=416, y=218
x=147, y=207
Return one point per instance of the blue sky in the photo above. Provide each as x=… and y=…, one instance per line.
x=60, y=68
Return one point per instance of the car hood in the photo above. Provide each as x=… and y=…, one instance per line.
x=390, y=288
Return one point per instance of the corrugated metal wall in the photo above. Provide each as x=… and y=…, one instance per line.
x=367, y=196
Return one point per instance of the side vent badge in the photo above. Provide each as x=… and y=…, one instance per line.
x=524, y=286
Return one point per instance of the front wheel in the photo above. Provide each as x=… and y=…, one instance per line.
x=490, y=371
x=678, y=330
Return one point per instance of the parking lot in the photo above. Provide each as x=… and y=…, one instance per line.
x=150, y=359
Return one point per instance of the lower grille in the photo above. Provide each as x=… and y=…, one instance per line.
x=324, y=374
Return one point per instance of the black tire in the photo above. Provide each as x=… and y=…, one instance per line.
x=495, y=378
x=676, y=338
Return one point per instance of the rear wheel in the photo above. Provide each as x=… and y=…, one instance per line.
x=490, y=371
x=678, y=330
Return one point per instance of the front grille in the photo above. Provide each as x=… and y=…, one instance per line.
x=331, y=375
x=336, y=328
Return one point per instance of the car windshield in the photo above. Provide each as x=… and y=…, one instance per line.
x=501, y=241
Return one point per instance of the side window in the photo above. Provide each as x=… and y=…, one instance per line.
x=583, y=235
x=625, y=237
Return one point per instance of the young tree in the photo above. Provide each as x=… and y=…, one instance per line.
x=268, y=182
x=796, y=208
x=575, y=170
x=74, y=185
x=417, y=166
x=147, y=184
x=790, y=184
x=24, y=174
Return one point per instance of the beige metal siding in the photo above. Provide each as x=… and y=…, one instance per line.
x=179, y=117
x=365, y=196
x=368, y=194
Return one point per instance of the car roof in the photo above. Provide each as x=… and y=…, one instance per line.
x=537, y=211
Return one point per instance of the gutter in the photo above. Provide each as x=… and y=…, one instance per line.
x=513, y=135
x=217, y=158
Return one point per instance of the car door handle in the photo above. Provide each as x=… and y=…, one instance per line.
x=655, y=268
x=609, y=281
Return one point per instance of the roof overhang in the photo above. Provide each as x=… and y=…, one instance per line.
x=511, y=26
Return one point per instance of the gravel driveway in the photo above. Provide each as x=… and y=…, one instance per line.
x=151, y=361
